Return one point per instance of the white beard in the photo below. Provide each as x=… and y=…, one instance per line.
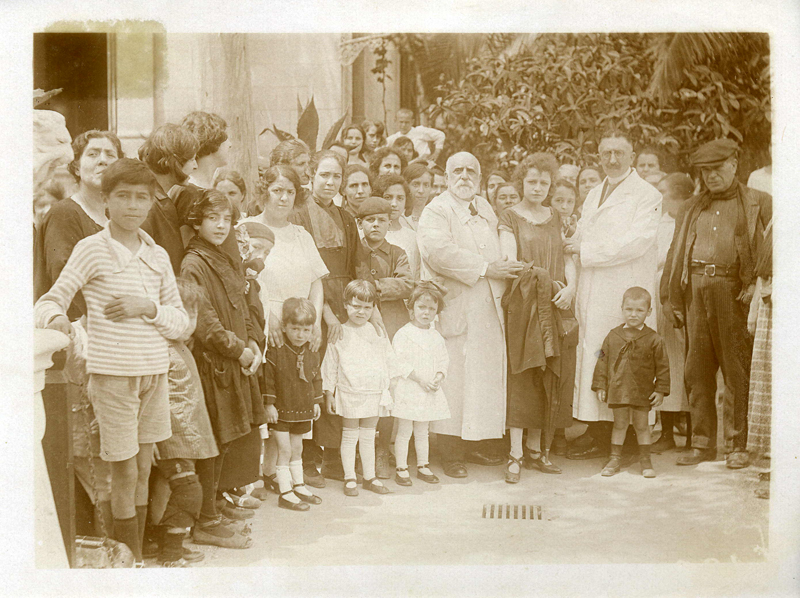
x=464, y=191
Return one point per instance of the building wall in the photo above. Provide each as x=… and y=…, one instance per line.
x=283, y=67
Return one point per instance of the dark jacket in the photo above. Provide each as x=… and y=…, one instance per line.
x=631, y=370
x=387, y=268
x=164, y=225
x=675, y=279
x=293, y=395
x=223, y=328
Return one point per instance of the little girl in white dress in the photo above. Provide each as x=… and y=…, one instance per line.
x=418, y=397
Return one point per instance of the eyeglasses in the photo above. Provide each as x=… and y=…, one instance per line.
x=618, y=154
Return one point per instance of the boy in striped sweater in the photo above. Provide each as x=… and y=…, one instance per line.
x=133, y=307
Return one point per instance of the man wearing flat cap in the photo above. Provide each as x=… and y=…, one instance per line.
x=707, y=285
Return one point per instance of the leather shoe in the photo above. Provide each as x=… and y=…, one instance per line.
x=737, y=460
x=479, y=458
x=697, y=456
x=402, y=481
x=538, y=462
x=593, y=452
x=559, y=447
x=313, y=478
x=292, y=506
x=430, y=479
x=311, y=499
x=662, y=445
x=454, y=469
x=375, y=487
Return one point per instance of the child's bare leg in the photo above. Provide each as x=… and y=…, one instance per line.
x=348, y=449
x=366, y=446
x=124, y=480
x=296, y=465
x=144, y=461
x=515, y=435
x=622, y=417
x=270, y=456
x=641, y=425
x=284, y=444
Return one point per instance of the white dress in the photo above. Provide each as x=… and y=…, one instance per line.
x=290, y=268
x=357, y=369
x=425, y=353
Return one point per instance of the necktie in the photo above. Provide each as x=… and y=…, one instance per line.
x=472, y=209
x=604, y=194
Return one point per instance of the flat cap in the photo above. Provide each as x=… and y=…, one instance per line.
x=256, y=230
x=714, y=152
x=374, y=205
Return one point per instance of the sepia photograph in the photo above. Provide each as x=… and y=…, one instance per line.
x=424, y=300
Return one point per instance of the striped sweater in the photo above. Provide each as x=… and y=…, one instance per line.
x=103, y=269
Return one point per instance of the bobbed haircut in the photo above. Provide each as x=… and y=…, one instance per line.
x=380, y=128
x=317, y=159
x=402, y=141
x=79, y=145
x=544, y=162
x=272, y=174
x=287, y=151
x=299, y=311
x=129, y=172
x=168, y=149
x=416, y=170
x=191, y=293
x=210, y=130
x=380, y=155
x=209, y=201
x=385, y=181
x=363, y=290
x=428, y=290
x=680, y=185
x=637, y=294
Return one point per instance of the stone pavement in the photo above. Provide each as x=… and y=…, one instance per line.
x=697, y=514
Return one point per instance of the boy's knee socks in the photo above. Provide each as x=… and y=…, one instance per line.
x=141, y=521
x=348, y=450
x=366, y=449
x=127, y=532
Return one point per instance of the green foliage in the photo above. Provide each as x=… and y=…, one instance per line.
x=308, y=127
x=560, y=93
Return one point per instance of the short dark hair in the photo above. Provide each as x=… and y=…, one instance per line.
x=210, y=200
x=380, y=128
x=363, y=290
x=416, y=170
x=637, y=294
x=385, y=181
x=81, y=141
x=402, y=141
x=512, y=184
x=288, y=150
x=425, y=290
x=210, y=130
x=380, y=154
x=651, y=150
x=168, y=149
x=437, y=171
x=227, y=174
x=358, y=128
x=566, y=185
x=130, y=172
x=299, y=311
x=271, y=175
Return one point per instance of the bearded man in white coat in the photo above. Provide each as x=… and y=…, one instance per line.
x=459, y=246
x=616, y=242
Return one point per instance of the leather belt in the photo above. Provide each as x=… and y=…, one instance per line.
x=712, y=270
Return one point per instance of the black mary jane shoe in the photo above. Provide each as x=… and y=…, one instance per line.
x=375, y=487
x=454, y=469
x=292, y=506
x=400, y=480
x=311, y=499
x=538, y=462
x=430, y=479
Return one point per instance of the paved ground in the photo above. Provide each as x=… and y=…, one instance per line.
x=693, y=514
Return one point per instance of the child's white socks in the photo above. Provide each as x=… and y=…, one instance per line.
x=404, y=430
x=421, y=442
x=366, y=448
x=348, y=451
x=296, y=469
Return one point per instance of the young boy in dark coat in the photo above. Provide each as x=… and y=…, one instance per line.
x=632, y=376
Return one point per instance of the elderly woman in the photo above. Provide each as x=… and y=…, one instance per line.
x=294, y=153
x=356, y=188
x=541, y=350
x=387, y=160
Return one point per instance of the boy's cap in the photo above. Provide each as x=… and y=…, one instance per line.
x=256, y=230
x=374, y=205
x=714, y=152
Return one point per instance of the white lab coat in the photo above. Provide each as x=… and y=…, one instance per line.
x=457, y=246
x=618, y=251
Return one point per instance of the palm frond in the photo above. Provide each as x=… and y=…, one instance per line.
x=674, y=53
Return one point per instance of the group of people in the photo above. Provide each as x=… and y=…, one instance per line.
x=294, y=329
